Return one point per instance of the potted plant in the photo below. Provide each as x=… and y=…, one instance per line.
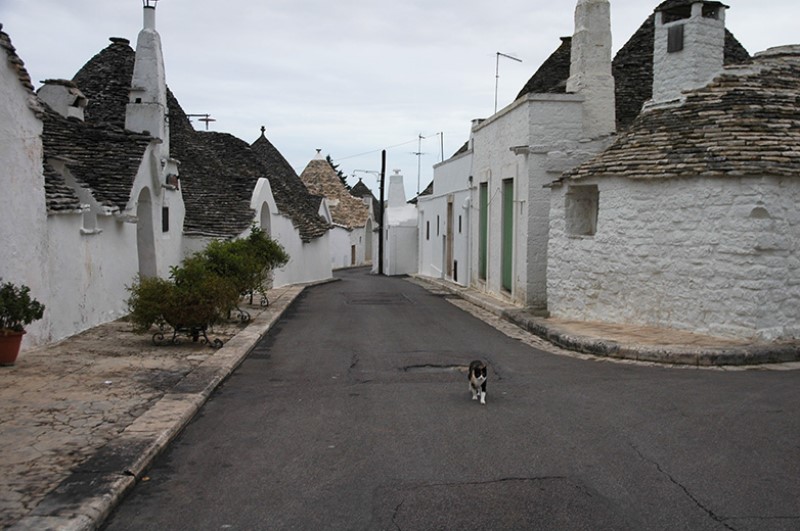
x=17, y=310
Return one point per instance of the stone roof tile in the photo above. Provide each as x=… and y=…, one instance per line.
x=347, y=211
x=632, y=68
x=745, y=122
x=60, y=197
x=218, y=172
x=291, y=195
x=361, y=191
x=102, y=157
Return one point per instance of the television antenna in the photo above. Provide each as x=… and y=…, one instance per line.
x=205, y=118
x=497, y=75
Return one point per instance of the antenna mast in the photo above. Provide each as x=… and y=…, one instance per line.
x=497, y=75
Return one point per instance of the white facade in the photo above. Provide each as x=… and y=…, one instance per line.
x=444, y=221
x=524, y=147
x=308, y=262
x=711, y=255
x=400, y=231
x=700, y=38
x=23, y=212
x=348, y=247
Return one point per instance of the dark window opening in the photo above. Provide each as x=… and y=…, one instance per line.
x=675, y=39
x=711, y=12
x=427, y=230
x=165, y=219
x=437, y=225
x=675, y=14
x=459, y=224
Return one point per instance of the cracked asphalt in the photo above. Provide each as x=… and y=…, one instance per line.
x=354, y=413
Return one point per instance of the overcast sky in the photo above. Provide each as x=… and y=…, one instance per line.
x=350, y=77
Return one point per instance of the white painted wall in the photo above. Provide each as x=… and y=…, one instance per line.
x=697, y=64
x=89, y=272
x=515, y=144
x=342, y=242
x=451, y=181
x=308, y=262
x=714, y=256
x=23, y=212
x=400, y=231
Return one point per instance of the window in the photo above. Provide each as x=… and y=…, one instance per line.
x=711, y=11
x=427, y=230
x=581, y=210
x=459, y=224
x=676, y=13
x=675, y=39
x=437, y=225
x=165, y=219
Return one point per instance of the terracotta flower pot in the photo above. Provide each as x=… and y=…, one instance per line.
x=9, y=347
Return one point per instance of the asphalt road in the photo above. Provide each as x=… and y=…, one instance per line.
x=354, y=413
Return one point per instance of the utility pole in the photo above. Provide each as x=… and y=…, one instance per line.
x=380, y=240
x=497, y=75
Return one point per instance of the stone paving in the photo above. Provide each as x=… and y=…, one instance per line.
x=64, y=402
x=82, y=419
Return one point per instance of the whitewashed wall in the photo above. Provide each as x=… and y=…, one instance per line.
x=450, y=183
x=342, y=243
x=493, y=162
x=400, y=231
x=534, y=125
x=715, y=256
x=340, y=247
x=89, y=272
x=23, y=218
x=308, y=262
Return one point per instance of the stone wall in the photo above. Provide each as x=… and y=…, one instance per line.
x=715, y=256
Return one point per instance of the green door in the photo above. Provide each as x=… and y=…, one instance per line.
x=508, y=233
x=483, y=206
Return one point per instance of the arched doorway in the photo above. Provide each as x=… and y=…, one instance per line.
x=266, y=220
x=145, y=236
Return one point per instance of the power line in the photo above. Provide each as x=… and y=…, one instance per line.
x=377, y=150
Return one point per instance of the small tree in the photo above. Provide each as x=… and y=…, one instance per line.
x=342, y=176
x=206, y=286
x=246, y=262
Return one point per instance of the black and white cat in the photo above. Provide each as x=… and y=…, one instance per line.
x=477, y=380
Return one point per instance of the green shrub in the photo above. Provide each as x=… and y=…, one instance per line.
x=206, y=286
x=17, y=308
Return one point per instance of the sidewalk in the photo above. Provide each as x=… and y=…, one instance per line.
x=630, y=342
x=83, y=419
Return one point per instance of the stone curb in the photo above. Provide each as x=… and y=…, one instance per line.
x=698, y=357
x=84, y=500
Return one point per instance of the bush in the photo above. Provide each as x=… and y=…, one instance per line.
x=206, y=286
x=246, y=262
x=17, y=308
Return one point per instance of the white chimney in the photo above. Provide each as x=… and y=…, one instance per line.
x=397, y=191
x=147, y=106
x=689, y=48
x=590, y=69
x=63, y=97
